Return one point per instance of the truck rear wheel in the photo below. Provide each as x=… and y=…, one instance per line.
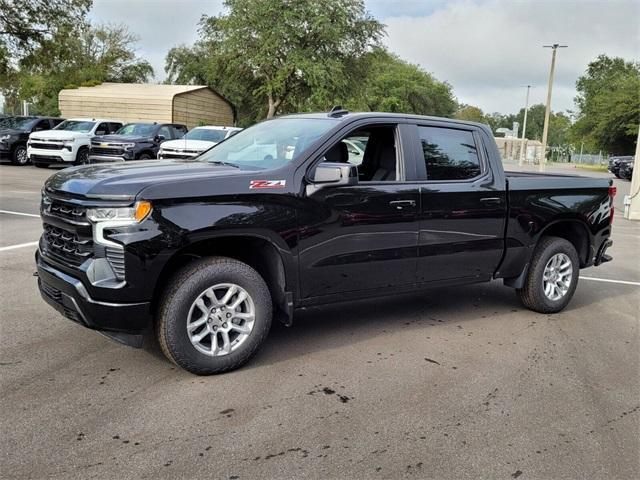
x=552, y=277
x=214, y=316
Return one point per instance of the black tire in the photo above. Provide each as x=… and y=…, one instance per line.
x=144, y=156
x=41, y=165
x=82, y=157
x=532, y=294
x=20, y=156
x=184, y=289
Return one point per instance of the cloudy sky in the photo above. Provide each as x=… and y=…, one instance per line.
x=488, y=50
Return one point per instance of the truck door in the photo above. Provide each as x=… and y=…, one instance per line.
x=463, y=208
x=365, y=236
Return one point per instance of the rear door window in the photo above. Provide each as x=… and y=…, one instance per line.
x=179, y=131
x=166, y=132
x=449, y=154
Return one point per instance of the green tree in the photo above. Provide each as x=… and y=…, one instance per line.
x=85, y=56
x=289, y=49
x=470, y=113
x=381, y=81
x=27, y=24
x=608, y=105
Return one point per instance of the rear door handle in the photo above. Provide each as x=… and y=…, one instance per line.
x=491, y=200
x=400, y=204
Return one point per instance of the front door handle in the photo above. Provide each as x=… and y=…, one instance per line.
x=401, y=204
x=491, y=200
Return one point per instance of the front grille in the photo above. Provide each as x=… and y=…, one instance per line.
x=106, y=151
x=170, y=155
x=46, y=146
x=66, y=246
x=115, y=257
x=68, y=211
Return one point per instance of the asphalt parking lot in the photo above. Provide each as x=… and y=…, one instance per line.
x=448, y=384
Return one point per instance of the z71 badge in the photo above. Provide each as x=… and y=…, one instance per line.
x=267, y=184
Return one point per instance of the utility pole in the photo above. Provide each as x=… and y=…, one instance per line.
x=523, y=147
x=547, y=112
x=632, y=201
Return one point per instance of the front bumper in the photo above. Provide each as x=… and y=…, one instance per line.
x=123, y=322
x=45, y=155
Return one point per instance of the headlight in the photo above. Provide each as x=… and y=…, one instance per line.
x=134, y=214
x=128, y=146
x=5, y=137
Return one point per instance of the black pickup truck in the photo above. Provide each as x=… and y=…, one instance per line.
x=305, y=210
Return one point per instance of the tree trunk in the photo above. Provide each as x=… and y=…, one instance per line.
x=273, y=106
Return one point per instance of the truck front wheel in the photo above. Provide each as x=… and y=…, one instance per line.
x=214, y=316
x=552, y=277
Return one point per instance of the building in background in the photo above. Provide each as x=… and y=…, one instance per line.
x=190, y=105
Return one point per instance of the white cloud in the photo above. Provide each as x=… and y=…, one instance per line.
x=489, y=50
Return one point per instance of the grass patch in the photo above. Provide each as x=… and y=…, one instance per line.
x=592, y=168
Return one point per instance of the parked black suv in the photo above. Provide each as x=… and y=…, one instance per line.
x=14, y=133
x=626, y=170
x=283, y=216
x=134, y=141
x=615, y=163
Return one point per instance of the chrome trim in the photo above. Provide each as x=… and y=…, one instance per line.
x=106, y=158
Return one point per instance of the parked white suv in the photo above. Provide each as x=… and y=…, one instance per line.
x=69, y=142
x=195, y=142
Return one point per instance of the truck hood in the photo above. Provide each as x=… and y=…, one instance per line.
x=58, y=135
x=200, y=145
x=125, y=180
x=122, y=138
x=11, y=131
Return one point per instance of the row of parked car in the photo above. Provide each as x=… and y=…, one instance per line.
x=622, y=167
x=44, y=141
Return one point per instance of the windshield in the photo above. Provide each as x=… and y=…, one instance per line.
x=142, y=129
x=19, y=123
x=76, y=126
x=206, y=134
x=269, y=144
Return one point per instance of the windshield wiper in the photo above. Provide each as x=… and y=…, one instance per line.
x=218, y=162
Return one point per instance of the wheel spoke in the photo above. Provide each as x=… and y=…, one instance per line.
x=214, y=344
x=195, y=324
x=242, y=296
x=230, y=293
x=243, y=315
x=211, y=295
x=226, y=344
x=240, y=328
x=200, y=304
x=197, y=338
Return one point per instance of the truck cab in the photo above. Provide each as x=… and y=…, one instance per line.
x=67, y=143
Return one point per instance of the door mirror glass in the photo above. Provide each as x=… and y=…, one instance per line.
x=160, y=138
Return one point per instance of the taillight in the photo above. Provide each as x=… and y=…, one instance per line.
x=612, y=193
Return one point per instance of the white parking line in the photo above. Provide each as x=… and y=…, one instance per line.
x=608, y=280
x=20, y=245
x=9, y=212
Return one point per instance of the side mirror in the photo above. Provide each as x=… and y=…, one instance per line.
x=100, y=132
x=329, y=174
x=160, y=138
